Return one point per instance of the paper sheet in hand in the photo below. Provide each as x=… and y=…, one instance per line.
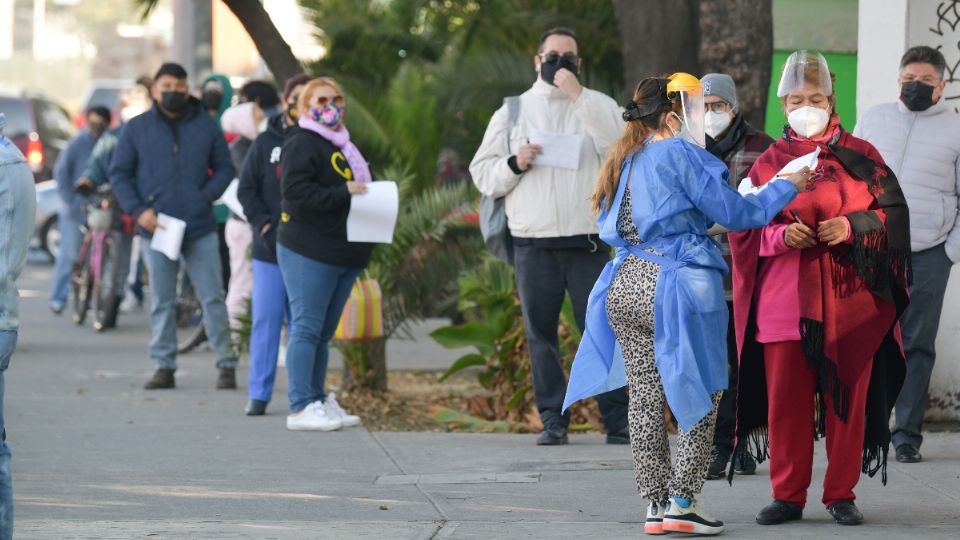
x=746, y=186
x=373, y=215
x=168, y=238
x=229, y=198
x=559, y=150
x=807, y=160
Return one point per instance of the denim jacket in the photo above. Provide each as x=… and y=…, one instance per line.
x=18, y=205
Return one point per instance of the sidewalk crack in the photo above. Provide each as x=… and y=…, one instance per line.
x=433, y=502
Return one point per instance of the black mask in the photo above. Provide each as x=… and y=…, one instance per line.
x=96, y=129
x=916, y=95
x=549, y=69
x=174, y=102
x=211, y=100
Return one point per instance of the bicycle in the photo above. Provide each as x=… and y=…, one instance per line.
x=98, y=265
x=190, y=330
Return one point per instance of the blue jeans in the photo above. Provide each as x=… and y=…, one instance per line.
x=70, y=239
x=18, y=202
x=919, y=324
x=202, y=257
x=8, y=342
x=317, y=293
x=270, y=307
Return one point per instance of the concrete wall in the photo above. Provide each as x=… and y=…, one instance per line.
x=887, y=28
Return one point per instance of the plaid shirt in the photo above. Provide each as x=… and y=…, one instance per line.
x=739, y=160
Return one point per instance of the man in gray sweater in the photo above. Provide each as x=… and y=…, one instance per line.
x=919, y=138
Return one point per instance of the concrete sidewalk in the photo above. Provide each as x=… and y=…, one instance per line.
x=95, y=456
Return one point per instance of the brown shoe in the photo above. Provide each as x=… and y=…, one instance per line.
x=162, y=379
x=228, y=379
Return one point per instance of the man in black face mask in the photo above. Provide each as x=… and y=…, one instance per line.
x=919, y=138
x=555, y=248
x=173, y=161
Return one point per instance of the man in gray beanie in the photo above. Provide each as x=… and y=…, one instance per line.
x=738, y=144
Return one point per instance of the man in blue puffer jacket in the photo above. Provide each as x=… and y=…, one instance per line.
x=174, y=160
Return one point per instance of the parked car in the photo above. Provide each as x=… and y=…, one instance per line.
x=46, y=229
x=40, y=128
x=105, y=93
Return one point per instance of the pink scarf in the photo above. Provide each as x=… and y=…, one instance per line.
x=341, y=139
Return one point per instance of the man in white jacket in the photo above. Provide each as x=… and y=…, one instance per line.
x=555, y=242
x=919, y=138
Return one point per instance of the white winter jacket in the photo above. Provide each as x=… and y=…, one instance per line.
x=923, y=150
x=548, y=202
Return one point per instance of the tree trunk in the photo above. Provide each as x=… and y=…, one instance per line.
x=365, y=365
x=658, y=38
x=270, y=44
x=736, y=38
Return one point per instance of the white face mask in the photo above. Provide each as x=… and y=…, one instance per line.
x=684, y=132
x=715, y=123
x=808, y=121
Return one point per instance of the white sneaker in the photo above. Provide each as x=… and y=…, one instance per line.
x=334, y=410
x=693, y=519
x=129, y=304
x=313, y=418
x=654, y=523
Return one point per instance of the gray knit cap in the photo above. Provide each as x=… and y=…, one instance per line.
x=722, y=86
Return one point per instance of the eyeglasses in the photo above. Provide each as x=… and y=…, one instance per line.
x=927, y=79
x=717, y=107
x=324, y=100
x=553, y=56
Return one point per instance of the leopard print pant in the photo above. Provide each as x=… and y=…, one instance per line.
x=630, y=311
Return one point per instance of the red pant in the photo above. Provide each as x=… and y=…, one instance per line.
x=791, y=386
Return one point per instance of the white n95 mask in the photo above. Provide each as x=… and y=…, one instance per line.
x=715, y=123
x=808, y=121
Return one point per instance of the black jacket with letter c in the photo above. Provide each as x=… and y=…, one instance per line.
x=315, y=204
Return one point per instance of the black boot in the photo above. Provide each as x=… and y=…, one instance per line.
x=227, y=379
x=779, y=512
x=745, y=465
x=162, y=379
x=552, y=436
x=255, y=407
x=845, y=513
x=718, y=463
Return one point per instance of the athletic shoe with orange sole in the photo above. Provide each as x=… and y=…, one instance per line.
x=686, y=516
x=654, y=524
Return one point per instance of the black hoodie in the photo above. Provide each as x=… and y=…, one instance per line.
x=316, y=202
x=259, y=189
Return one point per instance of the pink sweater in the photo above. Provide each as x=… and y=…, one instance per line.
x=778, y=297
x=778, y=300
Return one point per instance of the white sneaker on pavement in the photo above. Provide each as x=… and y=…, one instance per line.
x=129, y=304
x=690, y=518
x=313, y=418
x=334, y=410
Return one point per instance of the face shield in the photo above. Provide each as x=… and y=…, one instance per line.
x=802, y=68
x=689, y=91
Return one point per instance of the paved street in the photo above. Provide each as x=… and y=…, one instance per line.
x=95, y=456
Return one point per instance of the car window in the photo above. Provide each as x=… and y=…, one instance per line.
x=54, y=121
x=18, y=117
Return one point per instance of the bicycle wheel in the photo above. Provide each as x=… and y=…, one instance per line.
x=103, y=293
x=190, y=332
x=82, y=286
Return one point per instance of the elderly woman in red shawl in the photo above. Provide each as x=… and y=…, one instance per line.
x=817, y=295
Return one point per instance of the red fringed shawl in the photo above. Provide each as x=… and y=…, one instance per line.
x=851, y=295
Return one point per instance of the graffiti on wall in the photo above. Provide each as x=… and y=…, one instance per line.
x=944, y=35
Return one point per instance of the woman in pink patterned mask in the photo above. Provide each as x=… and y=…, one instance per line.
x=321, y=171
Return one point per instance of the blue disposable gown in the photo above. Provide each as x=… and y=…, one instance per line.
x=678, y=191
